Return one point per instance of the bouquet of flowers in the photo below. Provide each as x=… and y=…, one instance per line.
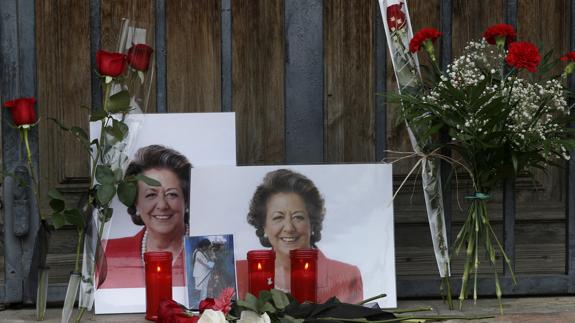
x=505, y=114
x=279, y=307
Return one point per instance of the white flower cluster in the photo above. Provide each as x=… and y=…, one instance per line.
x=533, y=107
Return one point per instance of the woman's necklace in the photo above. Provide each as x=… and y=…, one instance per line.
x=145, y=242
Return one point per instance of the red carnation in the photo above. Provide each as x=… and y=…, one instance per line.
x=423, y=36
x=568, y=57
x=395, y=17
x=523, y=55
x=22, y=111
x=503, y=32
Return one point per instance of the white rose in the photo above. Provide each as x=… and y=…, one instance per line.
x=211, y=316
x=253, y=317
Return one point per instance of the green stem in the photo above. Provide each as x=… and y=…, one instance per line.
x=78, y=248
x=367, y=300
x=24, y=132
x=419, y=309
x=80, y=314
x=107, y=88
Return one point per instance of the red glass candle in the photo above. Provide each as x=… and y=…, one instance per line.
x=261, y=270
x=303, y=279
x=158, y=281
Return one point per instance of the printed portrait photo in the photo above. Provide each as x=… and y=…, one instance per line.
x=164, y=147
x=210, y=267
x=343, y=211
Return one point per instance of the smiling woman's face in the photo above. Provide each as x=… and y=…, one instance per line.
x=162, y=207
x=287, y=223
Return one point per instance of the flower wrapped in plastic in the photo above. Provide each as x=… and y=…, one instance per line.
x=505, y=114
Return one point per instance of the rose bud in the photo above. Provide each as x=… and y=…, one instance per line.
x=110, y=64
x=22, y=111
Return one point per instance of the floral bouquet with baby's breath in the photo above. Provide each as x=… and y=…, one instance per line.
x=505, y=113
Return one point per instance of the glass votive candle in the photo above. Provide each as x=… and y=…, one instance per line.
x=158, y=266
x=261, y=270
x=303, y=279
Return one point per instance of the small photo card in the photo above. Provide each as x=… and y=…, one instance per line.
x=210, y=267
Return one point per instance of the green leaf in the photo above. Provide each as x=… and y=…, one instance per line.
x=120, y=127
x=57, y=205
x=98, y=115
x=75, y=217
x=58, y=220
x=250, y=302
x=280, y=298
x=127, y=193
x=105, y=175
x=55, y=194
x=148, y=180
x=119, y=102
x=267, y=307
x=105, y=193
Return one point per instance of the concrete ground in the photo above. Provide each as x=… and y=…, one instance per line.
x=525, y=310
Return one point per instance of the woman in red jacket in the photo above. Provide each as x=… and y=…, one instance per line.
x=161, y=210
x=287, y=211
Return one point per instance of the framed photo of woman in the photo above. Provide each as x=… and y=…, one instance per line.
x=344, y=211
x=164, y=147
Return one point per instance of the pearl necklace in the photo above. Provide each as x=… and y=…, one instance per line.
x=145, y=242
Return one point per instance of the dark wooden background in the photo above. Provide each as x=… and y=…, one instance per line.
x=341, y=121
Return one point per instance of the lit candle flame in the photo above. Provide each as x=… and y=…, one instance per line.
x=158, y=268
x=259, y=266
x=306, y=266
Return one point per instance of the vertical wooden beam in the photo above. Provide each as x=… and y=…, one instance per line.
x=349, y=81
x=226, y=39
x=570, y=195
x=446, y=25
x=258, y=80
x=160, y=47
x=10, y=88
x=380, y=84
x=509, y=208
x=193, y=43
x=95, y=38
x=303, y=27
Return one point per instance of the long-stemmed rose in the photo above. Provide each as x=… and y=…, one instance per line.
x=24, y=117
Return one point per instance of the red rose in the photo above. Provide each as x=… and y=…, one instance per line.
x=424, y=34
x=139, y=56
x=22, y=111
x=395, y=17
x=110, y=64
x=166, y=309
x=568, y=57
x=207, y=303
x=505, y=32
x=523, y=55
